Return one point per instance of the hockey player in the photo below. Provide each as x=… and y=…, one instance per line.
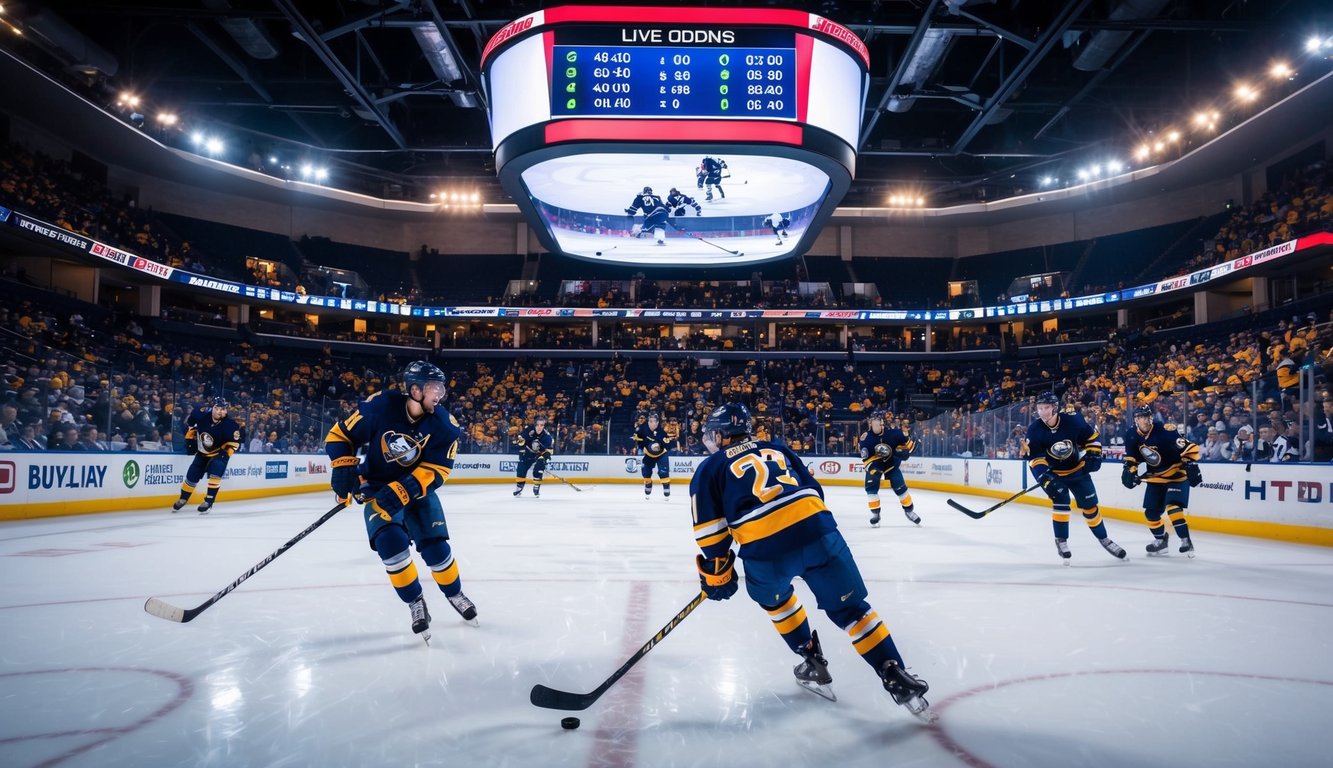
x=760, y=495
x=1172, y=470
x=709, y=175
x=535, y=446
x=677, y=201
x=408, y=443
x=1063, y=450
x=654, y=214
x=883, y=452
x=211, y=437
x=655, y=443
x=779, y=222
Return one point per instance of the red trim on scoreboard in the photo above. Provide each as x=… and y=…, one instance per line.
x=615, y=14
x=674, y=131
x=1310, y=241
x=804, y=51
x=548, y=46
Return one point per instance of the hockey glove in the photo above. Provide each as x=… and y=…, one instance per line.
x=629, y=211
x=1092, y=462
x=717, y=576
x=191, y=446
x=1128, y=477
x=1052, y=484
x=344, y=478
x=1193, y=474
x=884, y=450
x=390, y=500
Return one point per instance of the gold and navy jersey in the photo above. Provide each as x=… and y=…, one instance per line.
x=534, y=444
x=645, y=439
x=901, y=444
x=761, y=495
x=1164, y=451
x=214, y=438
x=1061, y=448
x=418, y=455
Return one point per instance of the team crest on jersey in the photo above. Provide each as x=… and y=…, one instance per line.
x=1150, y=455
x=1061, y=450
x=206, y=441
x=398, y=448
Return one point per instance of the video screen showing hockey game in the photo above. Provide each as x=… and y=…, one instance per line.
x=676, y=209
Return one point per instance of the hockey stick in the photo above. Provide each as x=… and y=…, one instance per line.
x=550, y=698
x=563, y=480
x=164, y=610
x=990, y=509
x=700, y=238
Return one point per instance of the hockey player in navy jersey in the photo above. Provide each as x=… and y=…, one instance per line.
x=211, y=437
x=654, y=215
x=1063, y=450
x=1171, y=461
x=677, y=201
x=709, y=176
x=535, y=446
x=652, y=439
x=883, y=451
x=759, y=495
x=779, y=222
x=408, y=442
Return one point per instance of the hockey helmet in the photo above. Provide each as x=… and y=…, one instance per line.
x=540, y=419
x=729, y=420
x=419, y=372
x=220, y=402
x=647, y=190
x=1048, y=398
x=652, y=416
x=1143, y=411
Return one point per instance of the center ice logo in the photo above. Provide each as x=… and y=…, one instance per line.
x=130, y=474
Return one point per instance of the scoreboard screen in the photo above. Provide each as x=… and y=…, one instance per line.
x=675, y=135
x=597, y=73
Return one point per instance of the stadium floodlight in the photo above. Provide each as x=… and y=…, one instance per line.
x=1142, y=152
x=166, y=118
x=1047, y=181
x=1314, y=43
x=307, y=170
x=1083, y=174
x=213, y=145
x=321, y=174
x=1246, y=93
x=197, y=138
x=1114, y=166
x=1280, y=71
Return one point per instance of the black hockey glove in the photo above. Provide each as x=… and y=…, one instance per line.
x=1128, y=477
x=1193, y=475
x=344, y=478
x=191, y=446
x=390, y=500
x=1052, y=484
x=717, y=576
x=629, y=211
x=1092, y=463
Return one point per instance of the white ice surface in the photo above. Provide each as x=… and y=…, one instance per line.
x=1223, y=660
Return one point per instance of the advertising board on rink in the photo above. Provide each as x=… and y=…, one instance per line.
x=1290, y=502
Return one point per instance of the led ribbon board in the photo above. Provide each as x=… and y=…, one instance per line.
x=751, y=114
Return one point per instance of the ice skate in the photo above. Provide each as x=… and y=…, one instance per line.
x=1115, y=549
x=907, y=690
x=536, y=492
x=518, y=492
x=465, y=608
x=874, y=519
x=812, y=673
x=420, y=618
x=205, y=506
x=177, y=505
x=1158, y=546
x=1062, y=546
x=911, y=514
x=779, y=242
x=1186, y=547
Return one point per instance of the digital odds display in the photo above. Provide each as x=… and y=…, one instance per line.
x=652, y=73
x=675, y=135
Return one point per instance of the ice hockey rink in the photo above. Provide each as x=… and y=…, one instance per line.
x=1222, y=660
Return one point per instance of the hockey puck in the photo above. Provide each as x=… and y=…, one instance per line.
x=599, y=253
x=569, y=723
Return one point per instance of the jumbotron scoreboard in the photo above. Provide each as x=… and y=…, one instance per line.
x=748, y=118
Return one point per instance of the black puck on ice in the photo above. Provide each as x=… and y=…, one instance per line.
x=569, y=723
x=599, y=253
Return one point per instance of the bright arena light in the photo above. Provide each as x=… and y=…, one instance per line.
x=1246, y=93
x=1142, y=152
x=213, y=145
x=321, y=174
x=196, y=138
x=1280, y=71
x=1314, y=44
x=166, y=118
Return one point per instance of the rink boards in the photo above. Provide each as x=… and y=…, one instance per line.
x=1288, y=502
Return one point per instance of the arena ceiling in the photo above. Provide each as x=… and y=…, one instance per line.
x=970, y=99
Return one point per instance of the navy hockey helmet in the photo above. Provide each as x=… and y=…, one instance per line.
x=220, y=402
x=419, y=372
x=652, y=416
x=879, y=413
x=1048, y=398
x=729, y=420
x=647, y=190
x=1143, y=411
x=539, y=419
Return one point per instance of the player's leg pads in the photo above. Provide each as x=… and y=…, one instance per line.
x=393, y=547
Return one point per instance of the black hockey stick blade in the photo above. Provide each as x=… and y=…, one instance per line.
x=550, y=698
x=164, y=610
x=966, y=511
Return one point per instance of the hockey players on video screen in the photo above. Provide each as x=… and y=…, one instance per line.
x=709, y=176
x=654, y=215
